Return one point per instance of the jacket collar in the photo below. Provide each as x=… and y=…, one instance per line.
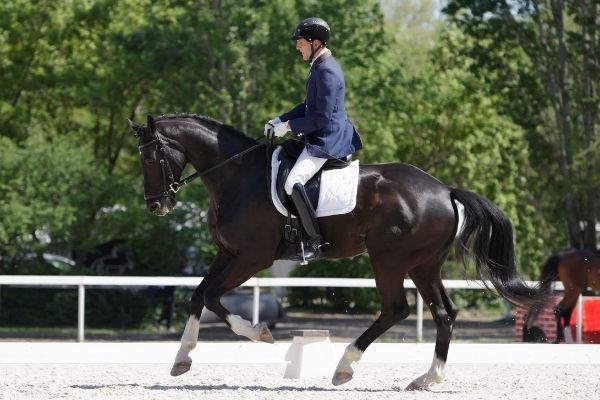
x=321, y=56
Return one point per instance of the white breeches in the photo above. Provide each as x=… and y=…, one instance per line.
x=305, y=168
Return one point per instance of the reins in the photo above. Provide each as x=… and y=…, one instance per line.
x=175, y=186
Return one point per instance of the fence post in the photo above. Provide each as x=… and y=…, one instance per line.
x=419, y=317
x=579, y=332
x=256, y=302
x=80, y=313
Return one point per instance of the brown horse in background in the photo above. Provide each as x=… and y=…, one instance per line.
x=577, y=269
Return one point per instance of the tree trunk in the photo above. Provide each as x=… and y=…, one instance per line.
x=564, y=124
x=550, y=57
x=588, y=16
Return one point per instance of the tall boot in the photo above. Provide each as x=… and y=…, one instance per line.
x=312, y=249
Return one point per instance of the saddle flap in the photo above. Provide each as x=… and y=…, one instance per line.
x=333, y=191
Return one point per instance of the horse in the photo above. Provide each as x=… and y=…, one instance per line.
x=406, y=220
x=577, y=269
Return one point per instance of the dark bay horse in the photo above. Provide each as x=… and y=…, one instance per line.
x=577, y=269
x=406, y=220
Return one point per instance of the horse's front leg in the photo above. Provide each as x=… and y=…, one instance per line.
x=239, y=270
x=183, y=361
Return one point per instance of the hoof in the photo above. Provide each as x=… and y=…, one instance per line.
x=181, y=368
x=341, y=377
x=265, y=334
x=414, y=387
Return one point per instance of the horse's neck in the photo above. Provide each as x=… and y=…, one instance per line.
x=208, y=149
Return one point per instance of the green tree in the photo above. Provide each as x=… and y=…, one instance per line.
x=414, y=25
x=477, y=143
x=45, y=193
x=95, y=64
x=558, y=39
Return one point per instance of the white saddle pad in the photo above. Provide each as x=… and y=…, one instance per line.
x=337, y=193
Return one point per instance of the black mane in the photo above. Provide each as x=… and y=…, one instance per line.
x=213, y=124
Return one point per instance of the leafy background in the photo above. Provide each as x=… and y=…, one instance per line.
x=454, y=88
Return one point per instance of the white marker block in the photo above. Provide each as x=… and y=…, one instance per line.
x=309, y=355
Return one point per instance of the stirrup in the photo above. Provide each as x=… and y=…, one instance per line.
x=303, y=262
x=310, y=252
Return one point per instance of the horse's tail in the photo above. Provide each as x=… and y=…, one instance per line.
x=549, y=274
x=486, y=237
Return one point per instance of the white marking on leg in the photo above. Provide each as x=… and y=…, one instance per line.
x=189, y=339
x=241, y=327
x=351, y=354
x=568, y=335
x=343, y=371
x=434, y=375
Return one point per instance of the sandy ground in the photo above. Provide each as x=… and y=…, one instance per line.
x=265, y=381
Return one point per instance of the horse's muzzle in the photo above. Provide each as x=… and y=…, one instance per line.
x=161, y=206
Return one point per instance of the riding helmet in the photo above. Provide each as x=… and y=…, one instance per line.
x=311, y=29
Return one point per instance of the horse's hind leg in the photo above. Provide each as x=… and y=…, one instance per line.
x=183, y=361
x=394, y=308
x=428, y=282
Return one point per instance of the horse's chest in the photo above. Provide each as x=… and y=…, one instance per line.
x=214, y=226
x=223, y=227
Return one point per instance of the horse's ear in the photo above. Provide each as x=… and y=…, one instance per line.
x=137, y=128
x=150, y=125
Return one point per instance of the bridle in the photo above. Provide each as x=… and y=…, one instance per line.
x=172, y=186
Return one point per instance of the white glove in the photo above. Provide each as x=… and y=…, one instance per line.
x=269, y=126
x=281, y=128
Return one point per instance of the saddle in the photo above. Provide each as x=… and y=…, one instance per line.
x=294, y=232
x=290, y=151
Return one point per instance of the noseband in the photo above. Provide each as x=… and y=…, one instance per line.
x=173, y=186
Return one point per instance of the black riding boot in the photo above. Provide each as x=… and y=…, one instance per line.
x=311, y=249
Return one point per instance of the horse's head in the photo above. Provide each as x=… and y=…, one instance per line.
x=162, y=160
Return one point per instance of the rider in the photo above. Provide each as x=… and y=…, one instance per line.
x=321, y=119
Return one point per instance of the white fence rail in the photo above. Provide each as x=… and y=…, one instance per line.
x=81, y=282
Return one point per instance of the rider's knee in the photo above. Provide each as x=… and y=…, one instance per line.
x=289, y=185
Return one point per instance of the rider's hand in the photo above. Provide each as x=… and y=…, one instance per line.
x=270, y=125
x=281, y=128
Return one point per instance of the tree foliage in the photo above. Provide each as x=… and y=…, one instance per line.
x=48, y=191
x=558, y=106
x=461, y=99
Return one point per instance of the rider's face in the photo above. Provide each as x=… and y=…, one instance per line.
x=304, y=47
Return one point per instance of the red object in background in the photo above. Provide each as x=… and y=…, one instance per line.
x=591, y=320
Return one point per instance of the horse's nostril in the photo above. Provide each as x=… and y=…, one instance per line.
x=171, y=202
x=153, y=207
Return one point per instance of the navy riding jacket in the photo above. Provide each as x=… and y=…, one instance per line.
x=322, y=116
